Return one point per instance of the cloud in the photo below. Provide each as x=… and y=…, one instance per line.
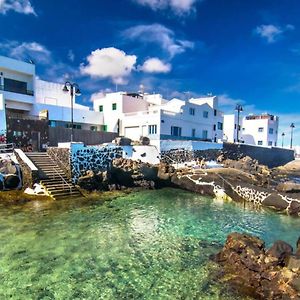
x=155, y=65
x=160, y=35
x=226, y=100
x=109, y=63
x=53, y=68
x=179, y=7
x=26, y=50
x=19, y=6
x=272, y=33
x=71, y=55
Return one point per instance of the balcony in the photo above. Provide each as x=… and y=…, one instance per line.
x=23, y=92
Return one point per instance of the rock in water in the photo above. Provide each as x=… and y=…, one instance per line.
x=11, y=181
x=257, y=272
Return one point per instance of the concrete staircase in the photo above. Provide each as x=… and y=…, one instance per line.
x=52, y=177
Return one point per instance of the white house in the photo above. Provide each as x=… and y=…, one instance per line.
x=136, y=115
x=260, y=130
x=23, y=95
x=231, y=128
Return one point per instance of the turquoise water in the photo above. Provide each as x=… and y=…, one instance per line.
x=144, y=245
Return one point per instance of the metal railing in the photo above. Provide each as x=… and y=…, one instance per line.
x=7, y=148
x=23, y=117
x=69, y=186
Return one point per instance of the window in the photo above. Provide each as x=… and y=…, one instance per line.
x=15, y=86
x=260, y=129
x=215, y=127
x=235, y=126
x=17, y=133
x=52, y=124
x=260, y=143
x=215, y=112
x=104, y=127
x=114, y=106
x=204, y=134
x=243, y=128
x=101, y=108
x=152, y=129
x=220, y=126
x=192, y=111
x=93, y=128
x=175, y=131
x=271, y=130
x=205, y=114
x=270, y=143
x=193, y=132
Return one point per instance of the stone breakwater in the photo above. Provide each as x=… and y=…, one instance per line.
x=258, y=272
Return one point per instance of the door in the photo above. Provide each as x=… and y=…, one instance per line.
x=36, y=140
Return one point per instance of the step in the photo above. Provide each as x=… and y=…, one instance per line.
x=60, y=186
x=65, y=194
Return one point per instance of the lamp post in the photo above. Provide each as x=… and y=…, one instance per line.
x=292, y=129
x=239, y=109
x=282, y=139
x=73, y=88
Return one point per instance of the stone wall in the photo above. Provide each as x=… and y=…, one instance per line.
x=182, y=155
x=271, y=157
x=85, y=158
x=30, y=175
x=62, y=157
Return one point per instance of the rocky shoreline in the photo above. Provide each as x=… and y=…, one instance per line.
x=243, y=180
x=255, y=271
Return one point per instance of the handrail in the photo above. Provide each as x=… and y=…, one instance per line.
x=65, y=182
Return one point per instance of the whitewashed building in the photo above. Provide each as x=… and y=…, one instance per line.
x=260, y=130
x=23, y=95
x=135, y=115
x=231, y=127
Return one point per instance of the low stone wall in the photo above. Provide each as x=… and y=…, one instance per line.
x=30, y=174
x=271, y=157
x=62, y=157
x=96, y=159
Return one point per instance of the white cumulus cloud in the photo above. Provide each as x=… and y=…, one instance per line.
x=179, y=7
x=271, y=33
x=155, y=65
x=19, y=6
x=26, y=50
x=160, y=35
x=109, y=63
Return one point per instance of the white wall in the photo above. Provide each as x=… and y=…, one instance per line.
x=2, y=116
x=230, y=128
x=252, y=135
x=188, y=145
x=60, y=113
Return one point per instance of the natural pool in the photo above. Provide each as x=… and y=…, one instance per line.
x=144, y=245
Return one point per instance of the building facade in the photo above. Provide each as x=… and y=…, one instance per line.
x=259, y=130
x=136, y=115
x=28, y=103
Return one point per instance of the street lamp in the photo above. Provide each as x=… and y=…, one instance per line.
x=73, y=88
x=292, y=129
x=239, y=109
x=282, y=136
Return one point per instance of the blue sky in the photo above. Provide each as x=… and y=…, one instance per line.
x=245, y=52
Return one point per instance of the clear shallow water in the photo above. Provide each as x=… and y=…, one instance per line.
x=146, y=245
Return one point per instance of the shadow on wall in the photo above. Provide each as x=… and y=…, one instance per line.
x=248, y=139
